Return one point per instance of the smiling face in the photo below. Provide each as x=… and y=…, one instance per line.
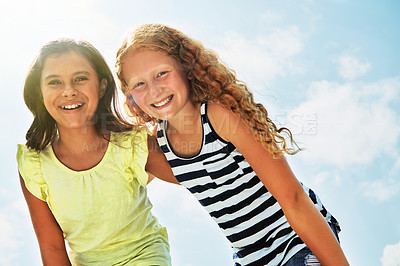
x=70, y=90
x=157, y=83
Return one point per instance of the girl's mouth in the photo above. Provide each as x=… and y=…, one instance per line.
x=71, y=106
x=163, y=102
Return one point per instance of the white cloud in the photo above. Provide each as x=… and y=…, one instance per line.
x=163, y=195
x=351, y=68
x=18, y=243
x=380, y=190
x=263, y=58
x=395, y=171
x=321, y=177
x=350, y=123
x=56, y=19
x=191, y=230
x=324, y=176
x=31, y=24
x=8, y=243
x=271, y=16
x=13, y=220
x=391, y=255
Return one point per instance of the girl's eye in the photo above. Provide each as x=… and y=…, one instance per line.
x=80, y=78
x=161, y=73
x=54, y=82
x=138, y=84
x=135, y=86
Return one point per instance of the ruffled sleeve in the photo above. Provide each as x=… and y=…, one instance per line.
x=29, y=167
x=139, y=155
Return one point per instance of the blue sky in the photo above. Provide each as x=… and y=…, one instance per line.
x=328, y=70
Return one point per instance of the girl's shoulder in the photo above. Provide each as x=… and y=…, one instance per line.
x=30, y=169
x=218, y=112
x=27, y=158
x=128, y=138
x=131, y=152
x=223, y=120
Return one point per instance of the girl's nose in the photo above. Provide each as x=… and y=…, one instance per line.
x=155, y=90
x=69, y=91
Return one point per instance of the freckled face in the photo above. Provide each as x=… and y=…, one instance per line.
x=156, y=82
x=70, y=89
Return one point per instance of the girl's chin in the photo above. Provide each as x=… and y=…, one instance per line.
x=158, y=113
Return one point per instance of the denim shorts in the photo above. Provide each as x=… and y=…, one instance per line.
x=305, y=256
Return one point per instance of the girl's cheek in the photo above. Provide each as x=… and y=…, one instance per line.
x=137, y=96
x=136, y=99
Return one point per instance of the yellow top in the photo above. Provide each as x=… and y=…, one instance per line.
x=104, y=212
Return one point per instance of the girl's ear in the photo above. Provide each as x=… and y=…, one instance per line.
x=189, y=75
x=102, y=89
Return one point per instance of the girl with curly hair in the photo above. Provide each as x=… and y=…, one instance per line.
x=225, y=150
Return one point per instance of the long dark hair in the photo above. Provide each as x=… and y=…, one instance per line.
x=44, y=129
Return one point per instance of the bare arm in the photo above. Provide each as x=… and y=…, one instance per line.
x=279, y=179
x=157, y=165
x=150, y=178
x=48, y=232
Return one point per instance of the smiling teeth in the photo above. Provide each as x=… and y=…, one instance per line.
x=160, y=104
x=71, y=106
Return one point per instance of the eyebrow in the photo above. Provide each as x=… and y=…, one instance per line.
x=156, y=69
x=74, y=74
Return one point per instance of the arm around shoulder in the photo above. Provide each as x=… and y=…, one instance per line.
x=157, y=165
x=48, y=232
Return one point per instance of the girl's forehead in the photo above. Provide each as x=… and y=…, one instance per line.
x=67, y=55
x=153, y=55
x=145, y=50
x=66, y=62
x=141, y=59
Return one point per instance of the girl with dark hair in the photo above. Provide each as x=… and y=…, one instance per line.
x=83, y=168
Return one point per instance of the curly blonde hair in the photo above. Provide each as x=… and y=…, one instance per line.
x=211, y=81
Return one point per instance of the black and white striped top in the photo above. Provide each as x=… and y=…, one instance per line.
x=228, y=188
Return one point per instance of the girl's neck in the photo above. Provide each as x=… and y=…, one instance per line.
x=80, y=150
x=77, y=142
x=185, y=132
x=186, y=120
